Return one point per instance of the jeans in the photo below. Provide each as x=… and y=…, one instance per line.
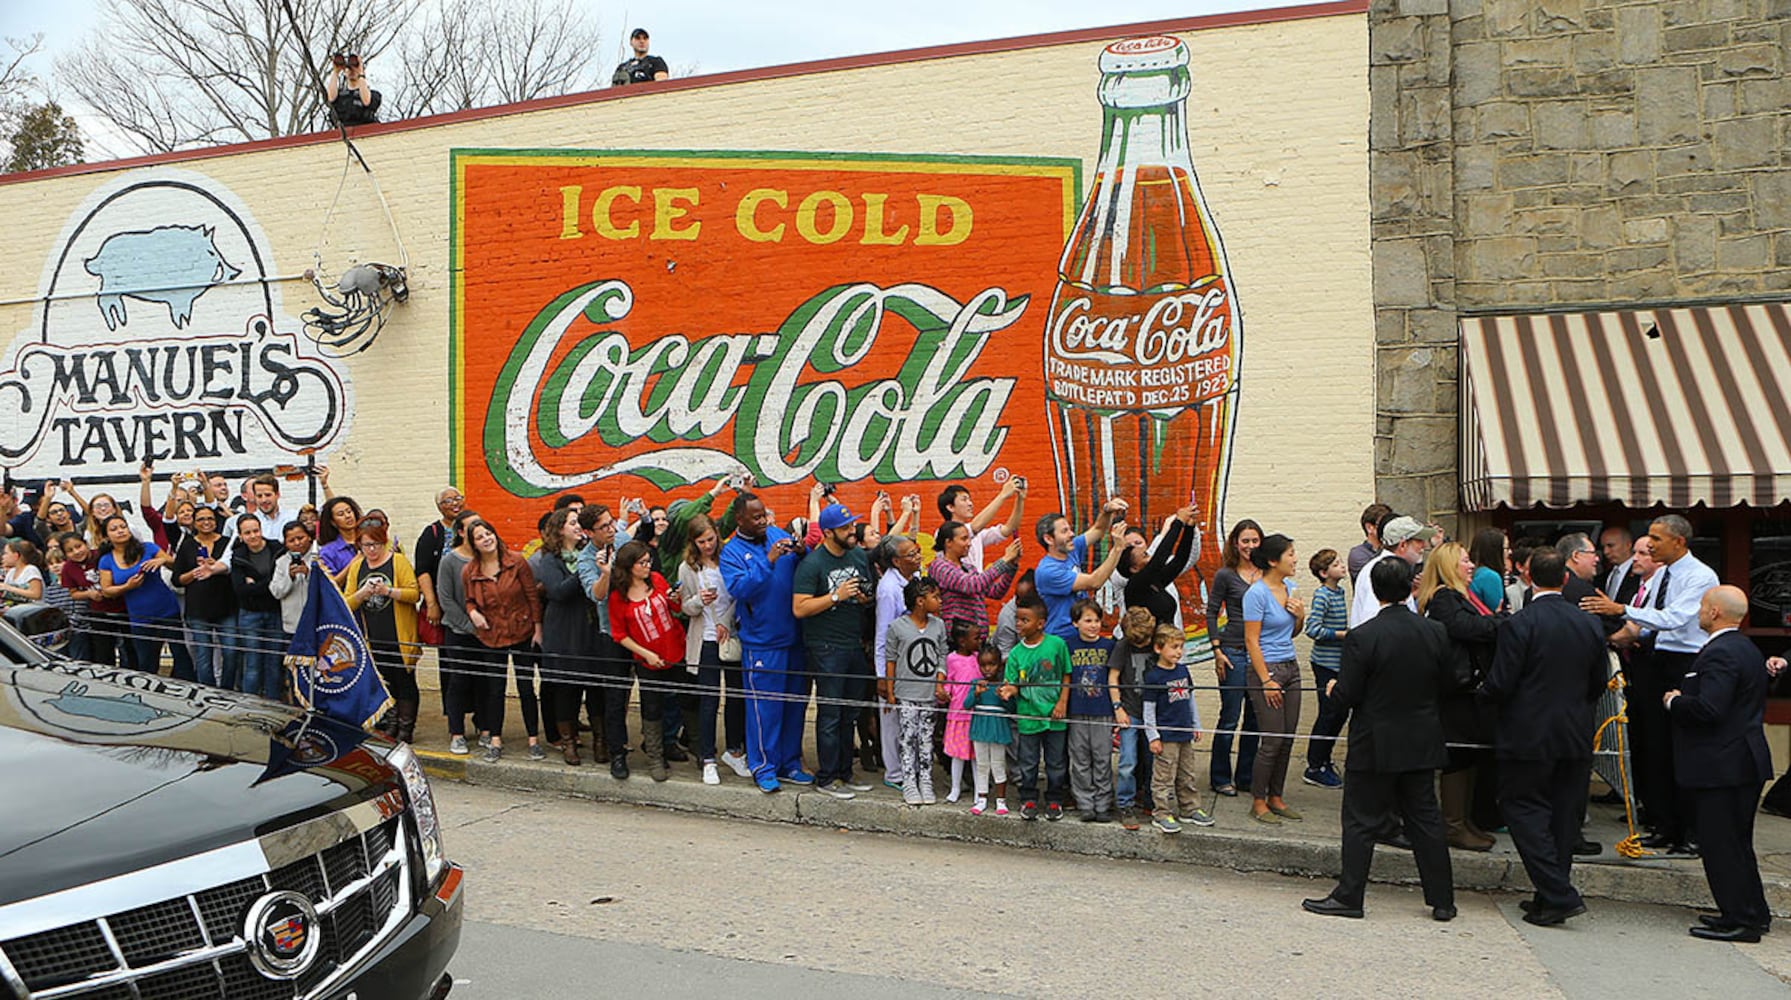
x=149, y=637
x=1233, y=702
x=456, y=667
x=1054, y=745
x=840, y=675
x=708, y=680
x=1133, y=774
x=1329, y=722
x=217, y=652
x=260, y=635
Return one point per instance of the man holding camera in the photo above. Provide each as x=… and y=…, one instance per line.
x=643, y=68
x=345, y=87
x=758, y=568
x=832, y=590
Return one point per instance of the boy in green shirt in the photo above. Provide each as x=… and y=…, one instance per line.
x=1038, y=670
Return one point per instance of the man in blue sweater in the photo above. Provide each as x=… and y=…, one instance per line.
x=758, y=567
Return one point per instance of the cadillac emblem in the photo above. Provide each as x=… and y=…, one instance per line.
x=283, y=935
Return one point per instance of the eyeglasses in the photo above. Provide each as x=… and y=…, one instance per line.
x=450, y=501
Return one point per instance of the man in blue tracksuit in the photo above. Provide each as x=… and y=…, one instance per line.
x=758, y=567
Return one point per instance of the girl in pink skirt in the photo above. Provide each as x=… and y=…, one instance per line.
x=961, y=673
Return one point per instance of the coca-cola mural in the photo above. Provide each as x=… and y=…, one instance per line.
x=631, y=322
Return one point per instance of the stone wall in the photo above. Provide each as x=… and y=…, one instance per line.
x=1412, y=203
x=1558, y=154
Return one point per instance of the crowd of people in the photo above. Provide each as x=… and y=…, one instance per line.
x=1075, y=694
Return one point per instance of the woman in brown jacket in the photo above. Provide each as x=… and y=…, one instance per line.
x=505, y=608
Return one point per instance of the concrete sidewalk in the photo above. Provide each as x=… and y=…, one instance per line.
x=1237, y=842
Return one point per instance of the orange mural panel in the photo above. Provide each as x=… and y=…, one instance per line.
x=636, y=323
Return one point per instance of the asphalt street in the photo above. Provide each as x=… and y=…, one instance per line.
x=568, y=898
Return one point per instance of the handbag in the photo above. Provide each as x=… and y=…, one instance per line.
x=430, y=633
x=730, y=649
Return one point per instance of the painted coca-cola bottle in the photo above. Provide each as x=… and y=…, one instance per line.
x=1142, y=343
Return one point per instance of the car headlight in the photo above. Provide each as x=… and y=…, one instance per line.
x=422, y=808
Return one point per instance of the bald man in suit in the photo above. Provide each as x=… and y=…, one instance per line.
x=1721, y=759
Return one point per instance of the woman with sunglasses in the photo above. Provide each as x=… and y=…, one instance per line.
x=202, y=566
x=382, y=591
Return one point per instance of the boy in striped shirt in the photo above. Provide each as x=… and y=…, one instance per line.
x=1326, y=625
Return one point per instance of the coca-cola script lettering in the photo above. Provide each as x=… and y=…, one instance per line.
x=929, y=421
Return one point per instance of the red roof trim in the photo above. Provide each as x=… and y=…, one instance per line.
x=1227, y=20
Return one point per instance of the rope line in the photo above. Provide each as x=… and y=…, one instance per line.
x=450, y=664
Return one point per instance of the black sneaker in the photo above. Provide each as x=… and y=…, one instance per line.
x=1029, y=811
x=618, y=766
x=1053, y=812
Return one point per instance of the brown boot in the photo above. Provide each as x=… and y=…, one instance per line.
x=569, y=746
x=599, y=744
x=1456, y=789
x=653, y=736
x=407, y=722
x=1467, y=815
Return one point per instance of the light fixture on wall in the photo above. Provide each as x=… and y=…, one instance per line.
x=362, y=301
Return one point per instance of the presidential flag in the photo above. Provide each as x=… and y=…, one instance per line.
x=332, y=669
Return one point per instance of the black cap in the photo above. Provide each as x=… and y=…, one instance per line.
x=638, y=33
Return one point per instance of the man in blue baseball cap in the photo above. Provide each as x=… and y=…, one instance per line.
x=833, y=593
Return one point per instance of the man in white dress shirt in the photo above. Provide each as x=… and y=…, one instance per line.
x=1683, y=581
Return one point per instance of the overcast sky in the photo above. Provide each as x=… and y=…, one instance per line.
x=719, y=36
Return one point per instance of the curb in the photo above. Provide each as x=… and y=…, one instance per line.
x=1662, y=883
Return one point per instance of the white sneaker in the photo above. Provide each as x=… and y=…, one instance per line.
x=737, y=762
x=954, y=796
x=710, y=775
x=457, y=746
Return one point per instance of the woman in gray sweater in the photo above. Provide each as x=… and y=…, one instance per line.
x=1230, y=659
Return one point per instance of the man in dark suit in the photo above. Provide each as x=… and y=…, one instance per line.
x=1721, y=760
x=1547, y=674
x=1395, y=667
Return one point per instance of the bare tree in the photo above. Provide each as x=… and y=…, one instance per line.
x=474, y=53
x=170, y=74
x=34, y=131
x=15, y=78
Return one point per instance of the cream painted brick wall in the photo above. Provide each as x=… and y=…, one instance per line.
x=1278, y=131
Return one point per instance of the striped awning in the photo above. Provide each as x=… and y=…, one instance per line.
x=1670, y=406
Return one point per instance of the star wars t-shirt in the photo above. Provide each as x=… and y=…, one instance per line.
x=377, y=618
x=1088, y=676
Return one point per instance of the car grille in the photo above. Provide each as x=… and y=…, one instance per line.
x=192, y=948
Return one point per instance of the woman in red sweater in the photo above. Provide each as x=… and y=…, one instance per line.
x=640, y=620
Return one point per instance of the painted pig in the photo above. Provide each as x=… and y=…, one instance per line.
x=173, y=265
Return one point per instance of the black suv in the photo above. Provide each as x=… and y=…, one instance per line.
x=161, y=840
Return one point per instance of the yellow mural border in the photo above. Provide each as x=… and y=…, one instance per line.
x=1068, y=170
